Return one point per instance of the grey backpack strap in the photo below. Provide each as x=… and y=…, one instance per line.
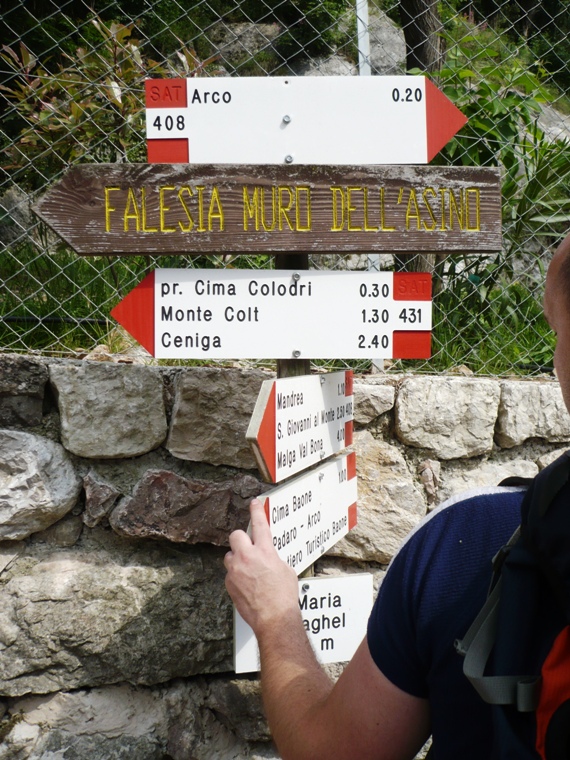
x=476, y=646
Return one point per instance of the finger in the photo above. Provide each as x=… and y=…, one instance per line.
x=228, y=558
x=260, y=530
x=239, y=540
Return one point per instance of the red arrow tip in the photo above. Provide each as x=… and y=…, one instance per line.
x=136, y=313
x=444, y=119
x=266, y=439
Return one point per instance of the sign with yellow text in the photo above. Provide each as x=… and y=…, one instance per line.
x=164, y=209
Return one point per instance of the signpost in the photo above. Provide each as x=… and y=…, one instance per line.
x=309, y=514
x=301, y=120
x=322, y=182
x=335, y=613
x=299, y=421
x=216, y=314
x=150, y=209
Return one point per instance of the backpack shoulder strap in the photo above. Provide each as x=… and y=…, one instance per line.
x=521, y=691
x=516, y=480
x=476, y=646
x=546, y=485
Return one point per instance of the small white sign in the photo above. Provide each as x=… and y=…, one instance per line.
x=335, y=614
x=300, y=421
x=303, y=120
x=309, y=514
x=240, y=314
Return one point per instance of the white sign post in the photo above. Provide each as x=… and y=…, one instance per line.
x=301, y=120
x=217, y=314
x=309, y=514
x=335, y=613
x=300, y=421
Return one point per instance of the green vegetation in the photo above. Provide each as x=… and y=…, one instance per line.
x=490, y=322
x=89, y=109
x=78, y=97
x=62, y=299
x=502, y=98
x=307, y=28
x=485, y=315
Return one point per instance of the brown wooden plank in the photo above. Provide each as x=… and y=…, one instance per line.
x=179, y=208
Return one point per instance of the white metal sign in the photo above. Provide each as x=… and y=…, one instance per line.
x=309, y=514
x=300, y=421
x=240, y=314
x=335, y=613
x=304, y=120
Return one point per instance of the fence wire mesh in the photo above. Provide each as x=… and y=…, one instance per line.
x=71, y=91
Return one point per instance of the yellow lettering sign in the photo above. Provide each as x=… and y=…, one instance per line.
x=277, y=207
x=131, y=211
x=350, y=209
x=145, y=227
x=455, y=208
x=384, y=227
x=200, y=189
x=337, y=219
x=360, y=209
x=163, y=208
x=412, y=211
x=476, y=201
x=429, y=191
x=190, y=225
x=250, y=207
x=303, y=202
x=367, y=226
x=285, y=206
x=215, y=211
x=108, y=207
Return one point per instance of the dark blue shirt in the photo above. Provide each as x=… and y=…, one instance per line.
x=434, y=588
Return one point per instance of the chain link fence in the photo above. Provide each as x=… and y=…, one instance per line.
x=71, y=91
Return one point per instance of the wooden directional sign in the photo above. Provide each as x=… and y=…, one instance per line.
x=299, y=421
x=302, y=120
x=310, y=513
x=279, y=314
x=335, y=614
x=163, y=209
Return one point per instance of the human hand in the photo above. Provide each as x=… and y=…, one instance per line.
x=263, y=587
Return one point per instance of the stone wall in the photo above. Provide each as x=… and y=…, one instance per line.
x=119, y=486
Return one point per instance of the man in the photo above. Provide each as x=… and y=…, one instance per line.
x=405, y=681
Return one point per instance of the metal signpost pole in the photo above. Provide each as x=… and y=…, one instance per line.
x=364, y=68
